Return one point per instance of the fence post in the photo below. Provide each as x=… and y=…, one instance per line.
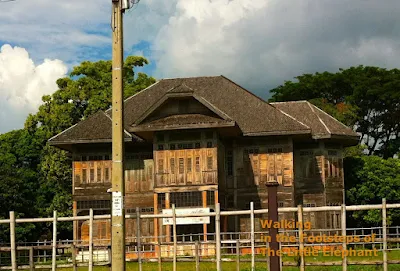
x=301, y=235
x=91, y=240
x=12, y=241
x=344, y=245
x=138, y=239
x=252, y=236
x=384, y=232
x=54, y=252
x=159, y=244
x=197, y=256
x=73, y=254
x=175, y=237
x=237, y=255
x=218, y=235
x=31, y=262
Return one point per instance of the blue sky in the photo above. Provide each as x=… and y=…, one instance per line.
x=256, y=43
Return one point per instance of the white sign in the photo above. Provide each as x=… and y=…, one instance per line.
x=187, y=220
x=117, y=203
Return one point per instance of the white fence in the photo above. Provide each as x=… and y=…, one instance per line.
x=223, y=245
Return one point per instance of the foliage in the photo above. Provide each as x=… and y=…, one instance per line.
x=35, y=178
x=368, y=180
x=367, y=98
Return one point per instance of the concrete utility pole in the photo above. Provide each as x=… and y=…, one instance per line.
x=118, y=180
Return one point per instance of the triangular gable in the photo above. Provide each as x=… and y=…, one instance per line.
x=180, y=91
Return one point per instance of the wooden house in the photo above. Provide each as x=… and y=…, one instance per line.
x=194, y=142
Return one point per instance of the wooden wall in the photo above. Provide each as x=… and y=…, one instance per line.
x=182, y=160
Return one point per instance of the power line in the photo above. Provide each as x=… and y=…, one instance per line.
x=5, y=1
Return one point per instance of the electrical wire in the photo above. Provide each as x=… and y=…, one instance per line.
x=5, y=1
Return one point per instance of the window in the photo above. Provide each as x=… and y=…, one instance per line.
x=186, y=199
x=209, y=163
x=172, y=146
x=84, y=175
x=189, y=165
x=99, y=174
x=172, y=165
x=161, y=201
x=92, y=175
x=197, y=164
x=210, y=198
x=209, y=144
x=94, y=204
x=229, y=163
x=181, y=166
x=77, y=178
x=141, y=210
x=160, y=147
x=160, y=165
x=309, y=205
x=106, y=174
x=281, y=204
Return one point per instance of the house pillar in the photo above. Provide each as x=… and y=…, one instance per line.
x=204, y=196
x=168, y=228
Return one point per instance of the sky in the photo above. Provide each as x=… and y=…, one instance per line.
x=259, y=44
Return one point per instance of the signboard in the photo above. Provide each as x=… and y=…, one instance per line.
x=187, y=220
x=117, y=204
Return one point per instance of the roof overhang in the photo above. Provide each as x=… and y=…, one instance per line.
x=143, y=128
x=273, y=133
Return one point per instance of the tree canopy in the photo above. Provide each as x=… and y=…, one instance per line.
x=36, y=178
x=366, y=98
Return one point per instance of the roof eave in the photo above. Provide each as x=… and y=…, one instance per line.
x=55, y=143
x=272, y=133
x=180, y=127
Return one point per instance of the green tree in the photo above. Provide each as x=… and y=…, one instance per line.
x=367, y=98
x=87, y=90
x=18, y=181
x=368, y=180
x=35, y=178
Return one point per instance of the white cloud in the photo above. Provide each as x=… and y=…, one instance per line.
x=261, y=43
x=56, y=29
x=22, y=84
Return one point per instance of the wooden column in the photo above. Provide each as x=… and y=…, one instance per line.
x=75, y=222
x=204, y=194
x=168, y=228
x=155, y=200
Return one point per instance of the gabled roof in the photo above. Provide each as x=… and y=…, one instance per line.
x=229, y=103
x=322, y=124
x=96, y=128
x=171, y=94
x=253, y=115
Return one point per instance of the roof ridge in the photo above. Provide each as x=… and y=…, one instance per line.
x=246, y=90
x=266, y=102
x=299, y=101
x=323, y=123
x=319, y=109
x=290, y=116
x=191, y=77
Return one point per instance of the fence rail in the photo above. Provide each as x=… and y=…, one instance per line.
x=225, y=246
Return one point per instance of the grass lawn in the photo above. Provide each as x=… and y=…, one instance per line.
x=261, y=266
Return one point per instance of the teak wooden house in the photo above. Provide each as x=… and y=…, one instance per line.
x=193, y=142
